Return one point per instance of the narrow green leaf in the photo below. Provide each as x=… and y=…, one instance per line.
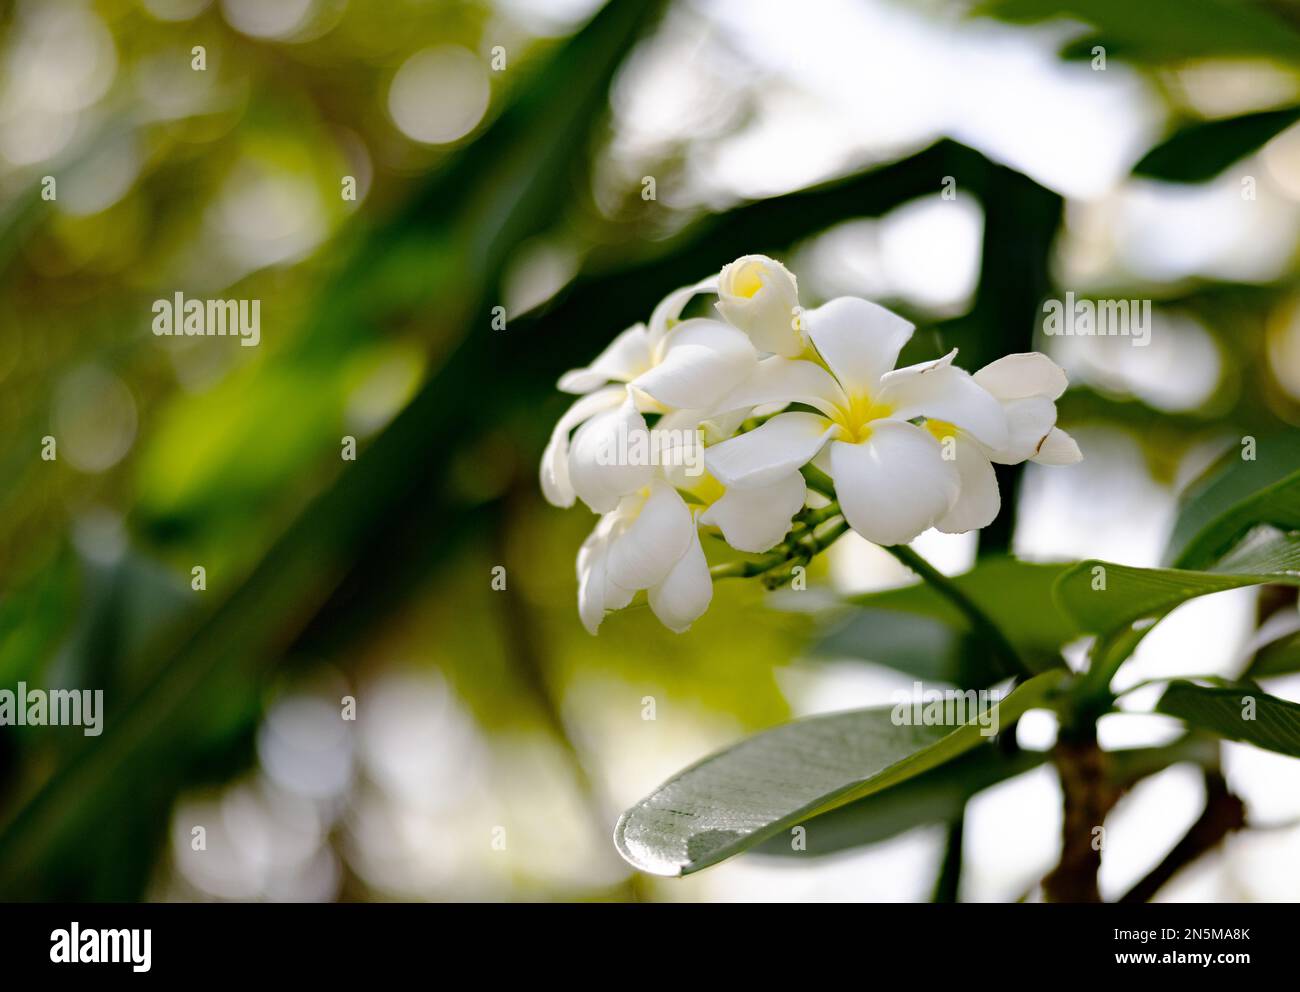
x=1102, y=596
x=1238, y=712
x=1279, y=657
x=731, y=801
x=1236, y=494
x=1201, y=151
x=1160, y=30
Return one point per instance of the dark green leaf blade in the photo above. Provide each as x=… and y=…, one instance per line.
x=738, y=797
x=1234, y=495
x=1240, y=713
x=1199, y=152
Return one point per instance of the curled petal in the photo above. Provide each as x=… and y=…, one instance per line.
x=1058, y=448
x=941, y=391
x=895, y=484
x=1029, y=421
x=645, y=552
x=596, y=595
x=859, y=340
x=782, y=381
x=702, y=361
x=554, y=470
x=978, y=501
x=759, y=295
x=670, y=307
x=601, y=467
x=770, y=452
x=626, y=357
x=683, y=596
x=756, y=520
x=1018, y=376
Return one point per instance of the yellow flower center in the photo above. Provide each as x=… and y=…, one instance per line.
x=747, y=281
x=857, y=418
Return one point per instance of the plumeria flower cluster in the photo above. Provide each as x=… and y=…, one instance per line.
x=777, y=429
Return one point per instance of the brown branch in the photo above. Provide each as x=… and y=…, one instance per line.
x=1223, y=814
x=1089, y=794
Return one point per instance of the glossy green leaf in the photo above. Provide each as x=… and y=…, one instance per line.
x=1279, y=657
x=1239, y=712
x=1201, y=151
x=1102, y=596
x=738, y=797
x=1236, y=494
x=939, y=795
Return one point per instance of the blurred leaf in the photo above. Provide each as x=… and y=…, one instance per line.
x=1280, y=657
x=1238, y=712
x=511, y=194
x=1166, y=29
x=1201, y=151
x=1234, y=495
x=1015, y=595
x=731, y=801
x=1124, y=594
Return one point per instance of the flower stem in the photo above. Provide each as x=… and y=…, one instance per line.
x=978, y=619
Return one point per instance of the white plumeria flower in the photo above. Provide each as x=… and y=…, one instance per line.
x=1027, y=386
x=891, y=477
x=648, y=541
x=760, y=296
x=670, y=364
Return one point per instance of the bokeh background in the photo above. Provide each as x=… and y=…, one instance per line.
x=495, y=741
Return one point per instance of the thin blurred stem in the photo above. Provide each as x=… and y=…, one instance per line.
x=948, y=883
x=978, y=619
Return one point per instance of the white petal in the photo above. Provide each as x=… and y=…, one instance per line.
x=939, y=390
x=780, y=380
x=643, y=554
x=759, y=295
x=684, y=595
x=756, y=520
x=601, y=467
x=859, y=340
x=895, y=484
x=978, y=501
x=1029, y=421
x=670, y=307
x=702, y=361
x=770, y=452
x=554, y=471
x=1017, y=376
x=592, y=580
x=626, y=357
x=1058, y=448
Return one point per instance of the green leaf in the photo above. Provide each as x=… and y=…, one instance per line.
x=1102, y=596
x=731, y=801
x=1201, y=151
x=1235, y=495
x=937, y=796
x=1237, y=712
x=1161, y=30
x=917, y=630
x=1279, y=657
